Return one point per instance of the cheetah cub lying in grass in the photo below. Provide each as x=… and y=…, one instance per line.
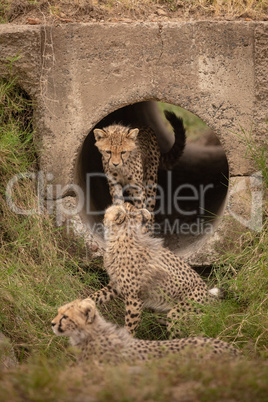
x=94, y=336
x=131, y=158
x=143, y=272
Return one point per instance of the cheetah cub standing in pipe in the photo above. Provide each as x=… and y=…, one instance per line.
x=94, y=336
x=131, y=158
x=143, y=272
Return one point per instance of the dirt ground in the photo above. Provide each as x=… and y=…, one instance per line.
x=82, y=11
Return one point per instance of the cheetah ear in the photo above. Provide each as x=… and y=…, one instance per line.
x=99, y=134
x=132, y=134
x=120, y=215
x=88, y=308
x=146, y=215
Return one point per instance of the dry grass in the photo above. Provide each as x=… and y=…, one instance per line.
x=169, y=379
x=18, y=11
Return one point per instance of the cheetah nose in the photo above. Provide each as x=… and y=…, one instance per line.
x=115, y=164
x=53, y=324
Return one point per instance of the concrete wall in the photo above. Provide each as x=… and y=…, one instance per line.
x=79, y=73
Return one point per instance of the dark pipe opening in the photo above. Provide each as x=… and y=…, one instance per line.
x=190, y=197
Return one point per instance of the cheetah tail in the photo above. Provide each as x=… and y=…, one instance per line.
x=171, y=158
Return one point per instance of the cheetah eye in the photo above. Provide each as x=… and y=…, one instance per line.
x=123, y=152
x=64, y=316
x=108, y=152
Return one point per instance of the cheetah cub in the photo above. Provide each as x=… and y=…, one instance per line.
x=143, y=272
x=93, y=336
x=131, y=158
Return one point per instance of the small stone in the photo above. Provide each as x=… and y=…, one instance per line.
x=160, y=12
x=34, y=21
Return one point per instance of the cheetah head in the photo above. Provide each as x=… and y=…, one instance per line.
x=118, y=214
x=115, y=143
x=74, y=317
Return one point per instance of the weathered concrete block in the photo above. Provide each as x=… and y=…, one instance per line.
x=78, y=74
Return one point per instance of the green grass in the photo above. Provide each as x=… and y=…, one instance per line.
x=258, y=156
x=41, y=268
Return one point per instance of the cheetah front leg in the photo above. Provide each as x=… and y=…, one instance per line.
x=134, y=307
x=136, y=193
x=105, y=294
x=116, y=190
